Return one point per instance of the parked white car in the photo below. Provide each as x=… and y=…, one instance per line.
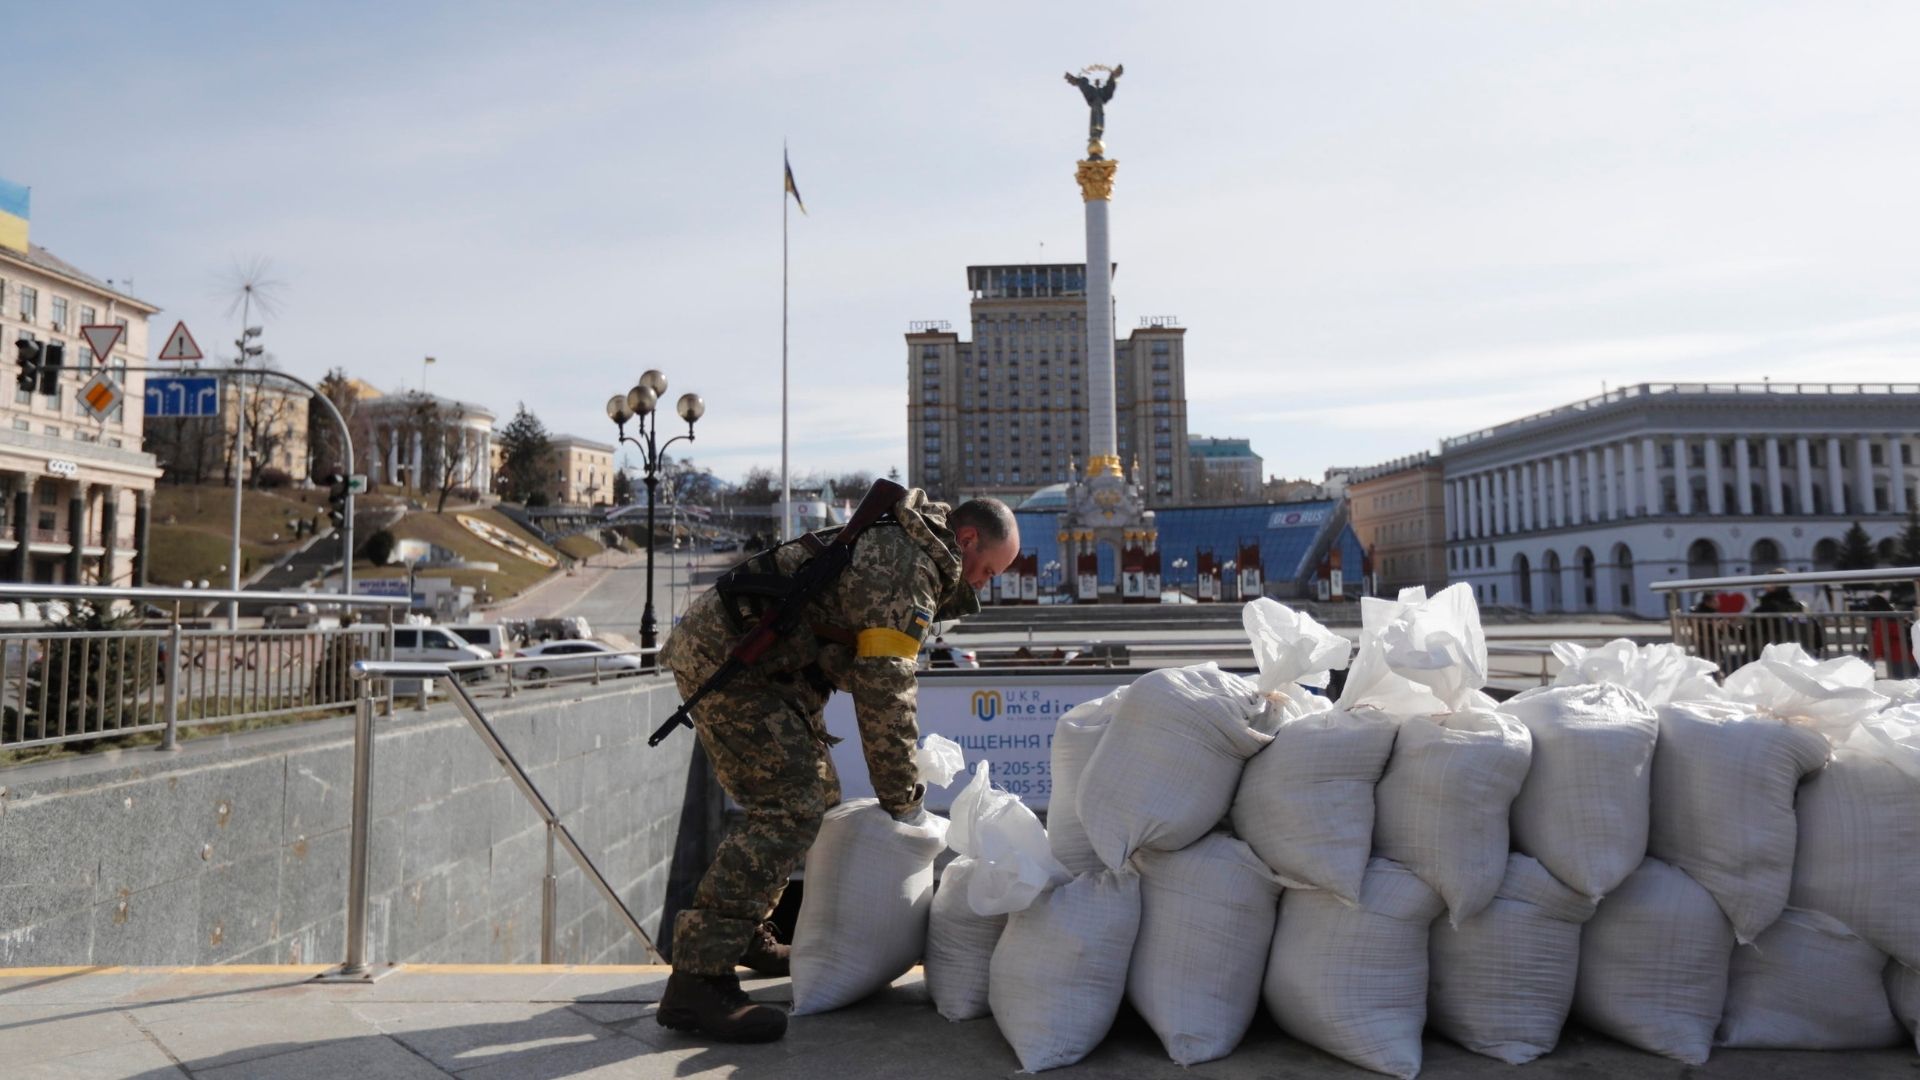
x=436, y=645
x=557, y=658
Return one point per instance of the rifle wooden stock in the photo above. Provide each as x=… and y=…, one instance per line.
x=778, y=622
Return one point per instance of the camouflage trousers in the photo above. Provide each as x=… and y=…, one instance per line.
x=760, y=736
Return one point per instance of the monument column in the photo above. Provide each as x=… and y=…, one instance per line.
x=1095, y=175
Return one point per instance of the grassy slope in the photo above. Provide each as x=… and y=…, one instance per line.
x=193, y=528
x=515, y=574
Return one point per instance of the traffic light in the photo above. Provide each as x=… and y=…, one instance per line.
x=53, y=357
x=29, y=356
x=336, y=498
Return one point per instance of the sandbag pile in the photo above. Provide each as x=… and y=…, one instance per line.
x=1674, y=862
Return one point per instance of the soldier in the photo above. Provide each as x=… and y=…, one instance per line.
x=765, y=736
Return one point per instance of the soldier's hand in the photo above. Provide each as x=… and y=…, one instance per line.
x=914, y=812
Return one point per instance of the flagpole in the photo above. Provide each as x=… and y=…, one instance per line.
x=786, y=490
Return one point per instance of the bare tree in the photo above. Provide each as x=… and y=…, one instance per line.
x=274, y=416
x=443, y=440
x=323, y=439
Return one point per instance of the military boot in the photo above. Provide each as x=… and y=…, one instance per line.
x=715, y=1006
x=765, y=953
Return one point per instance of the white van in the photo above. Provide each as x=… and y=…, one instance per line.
x=436, y=645
x=490, y=637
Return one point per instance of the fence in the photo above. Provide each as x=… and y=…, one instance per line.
x=1881, y=635
x=62, y=686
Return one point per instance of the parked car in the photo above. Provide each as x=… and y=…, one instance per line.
x=558, y=658
x=436, y=645
x=489, y=636
x=725, y=543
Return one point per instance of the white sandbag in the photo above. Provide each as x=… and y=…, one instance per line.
x=1501, y=983
x=1787, y=684
x=863, y=918
x=1206, y=920
x=1060, y=970
x=1584, y=806
x=1292, y=651
x=1808, y=983
x=959, y=946
x=1164, y=774
x=1903, y=991
x=1352, y=980
x=1653, y=964
x=1007, y=841
x=1305, y=801
x=1723, y=790
x=1075, y=735
x=1441, y=808
x=1418, y=656
x=1858, y=853
x=938, y=760
x=1658, y=674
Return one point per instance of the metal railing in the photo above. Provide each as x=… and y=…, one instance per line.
x=67, y=686
x=1882, y=636
x=356, y=966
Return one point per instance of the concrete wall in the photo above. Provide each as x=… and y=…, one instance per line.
x=234, y=850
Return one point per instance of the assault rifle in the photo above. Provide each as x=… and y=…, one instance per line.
x=780, y=619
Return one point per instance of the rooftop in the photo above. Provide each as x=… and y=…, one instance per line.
x=41, y=259
x=1641, y=393
x=1210, y=447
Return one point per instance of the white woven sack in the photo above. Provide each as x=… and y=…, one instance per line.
x=1060, y=970
x=1653, y=964
x=1809, y=983
x=1075, y=735
x=1723, y=788
x=959, y=946
x=1441, y=808
x=1352, y=980
x=1584, y=807
x=1206, y=920
x=1501, y=983
x=1858, y=854
x=1903, y=991
x=1305, y=801
x=1165, y=772
x=863, y=918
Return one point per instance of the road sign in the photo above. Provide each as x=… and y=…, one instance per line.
x=180, y=345
x=101, y=396
x=197, y=395
x=357, y=484
x=102, y=339
x=381, y=587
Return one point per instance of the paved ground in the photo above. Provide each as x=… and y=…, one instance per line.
x=552, y=1023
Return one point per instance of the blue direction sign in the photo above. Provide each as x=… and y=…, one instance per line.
x=197, y=395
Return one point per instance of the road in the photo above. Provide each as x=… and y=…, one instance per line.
x=610, y=592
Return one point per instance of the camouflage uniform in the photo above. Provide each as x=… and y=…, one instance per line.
x=764, y=732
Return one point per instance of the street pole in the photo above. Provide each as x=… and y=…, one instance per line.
x=239, y=466
x=648, y=628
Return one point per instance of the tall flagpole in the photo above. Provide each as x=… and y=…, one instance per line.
x=786, y=490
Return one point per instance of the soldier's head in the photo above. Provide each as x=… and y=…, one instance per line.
x=988, y=536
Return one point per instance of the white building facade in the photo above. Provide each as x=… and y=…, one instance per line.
x=1580, y=508
x=393, y=432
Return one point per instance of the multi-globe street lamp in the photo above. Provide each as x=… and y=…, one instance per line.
x=639, y=404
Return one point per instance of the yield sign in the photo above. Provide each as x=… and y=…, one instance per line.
x=180, y=345
x=101, y=396
x=102, y=339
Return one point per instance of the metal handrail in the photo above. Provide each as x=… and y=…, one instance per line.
x=365, y=671
x=10, y=590
x=1803, y=577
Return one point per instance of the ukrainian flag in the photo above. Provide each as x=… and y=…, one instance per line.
x=13, y=215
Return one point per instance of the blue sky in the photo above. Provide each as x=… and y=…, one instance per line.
x=1381, y=223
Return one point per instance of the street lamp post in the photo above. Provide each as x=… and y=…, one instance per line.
x=638, y=404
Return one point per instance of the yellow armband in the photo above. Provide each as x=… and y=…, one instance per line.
x=885, y=641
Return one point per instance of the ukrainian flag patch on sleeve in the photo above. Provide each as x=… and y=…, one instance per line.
x=917, y=625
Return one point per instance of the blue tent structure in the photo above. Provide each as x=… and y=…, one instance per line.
x=1293, y=537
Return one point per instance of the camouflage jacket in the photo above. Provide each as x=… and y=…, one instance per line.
x=865, y=637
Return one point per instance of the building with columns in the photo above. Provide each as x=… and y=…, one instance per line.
x=410, y=440
x=76, y=493
x=1580, y=507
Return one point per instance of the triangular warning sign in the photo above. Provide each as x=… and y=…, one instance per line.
x=180, y=345
x=102, y=339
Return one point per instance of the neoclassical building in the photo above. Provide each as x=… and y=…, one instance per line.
x=394, y=434
x=1580, y=507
